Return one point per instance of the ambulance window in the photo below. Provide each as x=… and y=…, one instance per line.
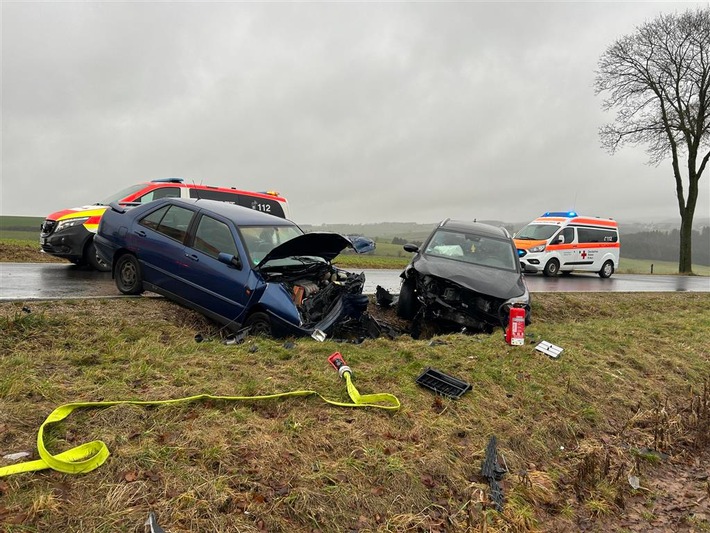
x=568, y=234
x=597, y=235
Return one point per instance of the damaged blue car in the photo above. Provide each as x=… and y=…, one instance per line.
x=237, y=266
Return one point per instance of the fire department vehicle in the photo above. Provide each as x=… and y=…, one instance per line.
x=565, y=241
x=69, y=233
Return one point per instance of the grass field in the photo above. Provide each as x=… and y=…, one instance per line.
x=632, y=385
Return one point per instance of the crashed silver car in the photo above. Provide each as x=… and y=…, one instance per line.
x=466, y=276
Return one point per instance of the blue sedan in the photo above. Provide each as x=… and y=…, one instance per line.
x=240, y=267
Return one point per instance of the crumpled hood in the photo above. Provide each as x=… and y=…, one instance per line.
x=503, y=284
x=319, y=244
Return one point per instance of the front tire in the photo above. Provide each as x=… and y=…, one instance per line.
x=129, y=279
x=552, y=268
x=407, y=304
x=607, y=270
x=93, y=260
x=259, y=324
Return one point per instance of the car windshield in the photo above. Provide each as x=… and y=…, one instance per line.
x=260, y=240
x=537, y=232
x=472, y=248
x=120, y=195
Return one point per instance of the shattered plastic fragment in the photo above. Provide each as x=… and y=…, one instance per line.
x=237, y=338
x=16, y=456
x=151, y=524
x=318, y=335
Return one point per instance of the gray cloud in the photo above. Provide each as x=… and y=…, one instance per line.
x=357, y=112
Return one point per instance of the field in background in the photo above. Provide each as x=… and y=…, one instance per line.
x=19, y=242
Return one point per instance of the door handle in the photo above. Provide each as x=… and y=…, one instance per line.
x=192, y=256
x=140, y=233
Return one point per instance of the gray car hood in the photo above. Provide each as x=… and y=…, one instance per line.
x=503, y=284
x=319, y=244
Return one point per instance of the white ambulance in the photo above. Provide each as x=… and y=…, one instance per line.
x=564, y=241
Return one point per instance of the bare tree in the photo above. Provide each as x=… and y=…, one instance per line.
x=658, y=82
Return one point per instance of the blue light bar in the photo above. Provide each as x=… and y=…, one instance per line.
x=567, y=214
x=168, y=180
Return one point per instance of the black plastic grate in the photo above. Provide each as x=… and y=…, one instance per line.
x=443, y=384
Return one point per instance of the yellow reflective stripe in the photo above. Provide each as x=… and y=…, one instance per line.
x=91, y=455
x=83, y=213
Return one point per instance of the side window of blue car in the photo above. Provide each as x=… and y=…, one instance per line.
x=213, y=236
x=172, y=221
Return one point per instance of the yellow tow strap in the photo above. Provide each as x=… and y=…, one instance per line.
x=89, y=456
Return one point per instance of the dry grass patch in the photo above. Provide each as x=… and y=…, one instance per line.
x=631, y=385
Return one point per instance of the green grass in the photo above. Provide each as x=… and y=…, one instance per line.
x=631, y=376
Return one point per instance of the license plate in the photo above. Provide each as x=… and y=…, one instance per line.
x=43, y=240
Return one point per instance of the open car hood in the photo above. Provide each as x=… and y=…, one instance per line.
x=319, y=244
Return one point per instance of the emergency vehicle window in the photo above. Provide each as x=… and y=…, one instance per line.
x=587, y=235
x=213, y=237
x=163, y=192
x=537, y=232
x=173, y=223
x=265, y=205
x=568, y=234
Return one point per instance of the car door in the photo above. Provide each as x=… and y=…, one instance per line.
x=158, y=239
x=218, y=289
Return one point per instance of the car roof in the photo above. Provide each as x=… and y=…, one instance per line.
x=242, y=216
x=478, y=228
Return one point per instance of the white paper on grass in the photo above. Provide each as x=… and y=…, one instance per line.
x=549, y=349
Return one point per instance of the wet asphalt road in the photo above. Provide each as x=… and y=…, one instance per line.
x=47, y=281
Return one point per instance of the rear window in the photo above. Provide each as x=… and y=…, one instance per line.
x=171, y=221
x=589, y=235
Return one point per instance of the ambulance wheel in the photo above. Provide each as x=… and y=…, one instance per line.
x=128, y=275
x=607, y=270
x=259, y=324
x=94, y=260
x=407, y=302
x=552, y=268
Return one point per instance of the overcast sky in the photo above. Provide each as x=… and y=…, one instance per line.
x=356, y=112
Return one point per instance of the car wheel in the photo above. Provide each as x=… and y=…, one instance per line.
x=128, y=275
x=552, y=268
x=94, y=260
x=407, y=303
x=259, y=324
x=607, y=270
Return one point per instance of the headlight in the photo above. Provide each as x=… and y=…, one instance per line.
x=520, y=301
x=537, y=249
x=66, y=224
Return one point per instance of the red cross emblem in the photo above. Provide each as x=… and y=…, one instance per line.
x=584, y=254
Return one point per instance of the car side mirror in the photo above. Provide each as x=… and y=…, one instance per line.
x=560, y=240
x=230, y=260
x=411, y=248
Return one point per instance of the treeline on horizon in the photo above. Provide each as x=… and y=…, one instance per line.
x=656, y=245
x=665, y=246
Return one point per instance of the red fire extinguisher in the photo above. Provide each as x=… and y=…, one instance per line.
x=515, y=332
